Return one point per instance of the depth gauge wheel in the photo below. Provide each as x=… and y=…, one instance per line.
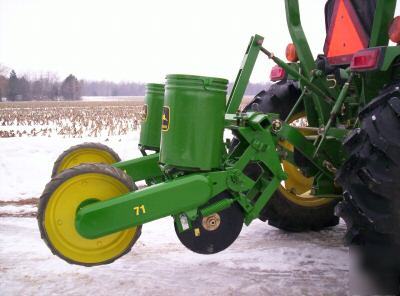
x=292, y=207
x=84, y=153
x=58, y=205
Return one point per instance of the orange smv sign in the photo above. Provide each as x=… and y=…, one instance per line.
x=346, y=35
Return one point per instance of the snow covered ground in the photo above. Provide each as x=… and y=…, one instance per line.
x=263, y=261
x=26, y=163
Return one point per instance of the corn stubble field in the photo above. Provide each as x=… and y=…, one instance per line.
x=71, y=119
x=75, y=119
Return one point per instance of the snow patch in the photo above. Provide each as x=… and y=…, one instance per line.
x=262, y=261
x=18, y=210
x=26, y=163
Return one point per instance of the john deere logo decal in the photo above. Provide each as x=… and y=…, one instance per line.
x=144, y=113
x=165, y=119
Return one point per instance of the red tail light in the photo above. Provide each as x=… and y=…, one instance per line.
x=277, y=73
x=367, y=59
x=394, y=30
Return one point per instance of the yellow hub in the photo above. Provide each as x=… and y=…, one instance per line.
x=297, y=188
x=85, y=155
x=59, y=219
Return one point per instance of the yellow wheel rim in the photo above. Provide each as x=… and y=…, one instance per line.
x=59, y=219
x=297, y=188
x=85, y=155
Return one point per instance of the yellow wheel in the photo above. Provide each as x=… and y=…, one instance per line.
x=84, y=153
x=292, y=207
x=58, y=206
x=297, y=187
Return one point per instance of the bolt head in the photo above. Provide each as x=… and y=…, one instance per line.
x=276, y=125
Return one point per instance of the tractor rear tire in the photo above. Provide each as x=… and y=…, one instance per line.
x=371, y=184
x=284, y=210
x=84, y=153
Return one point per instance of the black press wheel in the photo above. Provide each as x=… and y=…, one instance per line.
x=214, y=233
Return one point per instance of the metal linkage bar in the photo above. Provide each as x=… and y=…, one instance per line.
x=311, y=86
x=334, y=112
x=138, y=207
x=299, y=100
x=141, y=168
x=243, y=76
x=300, y=142
x=298, y=37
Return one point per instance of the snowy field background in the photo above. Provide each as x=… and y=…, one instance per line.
x=263, y=261
x=26, y=162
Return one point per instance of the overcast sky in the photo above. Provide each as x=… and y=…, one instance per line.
x=145, y=40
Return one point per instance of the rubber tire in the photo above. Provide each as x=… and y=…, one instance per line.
x=281, y=212
x=67, y=174
x=98, y=146
x=371, y=182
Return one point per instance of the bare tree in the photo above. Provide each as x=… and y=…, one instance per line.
x=70, y=88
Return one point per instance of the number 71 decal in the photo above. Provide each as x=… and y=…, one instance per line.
x=139, y=210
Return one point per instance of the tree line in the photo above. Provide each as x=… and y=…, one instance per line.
x=48, y=87
x=45, y=87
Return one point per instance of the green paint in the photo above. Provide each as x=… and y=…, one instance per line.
x=150, y=132
x=217, y=207
x=243, y=76
x=142, y=168
x=383, y=17
x=138, y=207
x=196, y=107
x=390, y=54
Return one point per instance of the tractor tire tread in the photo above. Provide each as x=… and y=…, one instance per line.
x=370, y=178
